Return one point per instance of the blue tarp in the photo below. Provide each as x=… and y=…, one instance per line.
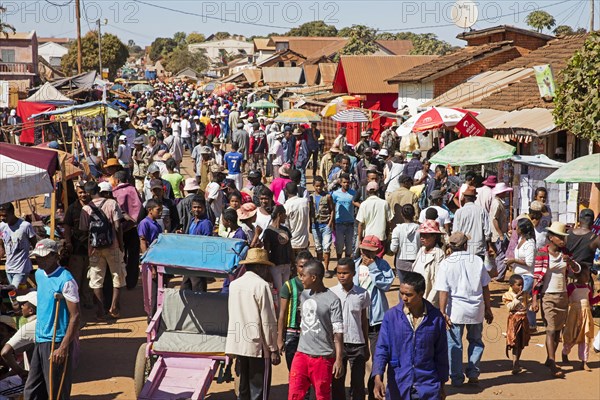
x=211, y=254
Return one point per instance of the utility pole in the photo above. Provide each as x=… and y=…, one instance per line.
x=591, y=16
x=78, y=21
x=100, y=46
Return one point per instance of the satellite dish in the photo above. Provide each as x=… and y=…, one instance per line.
x=464, y=13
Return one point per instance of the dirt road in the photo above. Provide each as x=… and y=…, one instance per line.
x=105, y=369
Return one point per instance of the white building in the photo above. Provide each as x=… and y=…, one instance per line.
x=215, y=49
x=52, y=53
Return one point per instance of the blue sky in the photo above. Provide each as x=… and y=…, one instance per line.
x=143, y=20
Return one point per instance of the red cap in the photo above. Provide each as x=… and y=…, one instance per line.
x=371, y=243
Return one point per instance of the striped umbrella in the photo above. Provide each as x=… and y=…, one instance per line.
x=473, y=150
x=350, y=116
x=297, y=116
x=262, y=104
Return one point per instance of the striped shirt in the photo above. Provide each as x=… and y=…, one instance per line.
x=291, y=291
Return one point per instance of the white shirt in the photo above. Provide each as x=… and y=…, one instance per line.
x=555, y=280
x=354, y=302
x=298, y=220
x=406, y=241
x=393, y=174
x=442, y=219
x=277, y=151
x=527, y=253
x=463, y=276
x=185, y=128
x=375, y=214
x=484, y=197
x=213, y=191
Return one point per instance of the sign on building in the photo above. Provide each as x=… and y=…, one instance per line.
x=545, y=81
x=4, y=94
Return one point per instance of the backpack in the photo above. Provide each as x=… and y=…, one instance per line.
x=100, y=230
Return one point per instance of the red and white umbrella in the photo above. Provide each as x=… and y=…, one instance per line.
x=439, y=117
x=25, y=171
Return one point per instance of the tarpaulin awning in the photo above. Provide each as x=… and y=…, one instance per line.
x=215, y=255
x=531, y=121
x=50, y=95
x=85, y=80
x=91, y=109
x=581, y=170
x=539, y=160
x=26, y=109
x=25, y=172
x=70, y=171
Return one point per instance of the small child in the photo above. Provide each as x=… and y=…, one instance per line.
x=355, y=302
x=579, y=328
x=517, y=331
x=321, y=344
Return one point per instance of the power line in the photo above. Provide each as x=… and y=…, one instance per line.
x=484, y=19
x=212, y=17
x=59, y=5
x=85, y=15
x=572, y=11
x=580, y=15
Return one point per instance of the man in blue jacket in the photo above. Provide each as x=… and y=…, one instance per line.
x=376, y=276
x=413, y=343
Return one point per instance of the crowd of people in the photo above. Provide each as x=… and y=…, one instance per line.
x=448, y=237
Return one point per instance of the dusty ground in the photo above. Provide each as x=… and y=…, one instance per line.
x=105, y=369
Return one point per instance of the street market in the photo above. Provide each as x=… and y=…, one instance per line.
x=289, y=217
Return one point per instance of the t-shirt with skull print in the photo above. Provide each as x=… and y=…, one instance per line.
x=321, y=318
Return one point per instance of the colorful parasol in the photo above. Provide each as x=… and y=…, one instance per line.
x=336, y=105
x=262, y=104
x=438, y=117
x=350, y=116
x=581, y=170
x=297, y=116
x=224, y=88
x=473, y=150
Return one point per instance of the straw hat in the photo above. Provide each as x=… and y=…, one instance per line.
x=284, y=170
x=247, y=210
x=430, y=226
x=335, y=149
x=558, y=228
x=458, y=239
x=257, y=256
x=112, y=162
x=166, y=156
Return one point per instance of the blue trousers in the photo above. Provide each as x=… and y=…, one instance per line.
x=455, y=351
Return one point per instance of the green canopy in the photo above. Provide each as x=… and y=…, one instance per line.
x=580, y=170
x=473, y=150
x=263, y=104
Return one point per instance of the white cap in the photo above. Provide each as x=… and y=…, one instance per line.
x=30, y=297
x=105, y=187
x=127, y=119
x=13, y=112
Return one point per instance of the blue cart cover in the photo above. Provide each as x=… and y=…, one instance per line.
x=210, y=254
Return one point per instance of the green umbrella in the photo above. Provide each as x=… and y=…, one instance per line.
x=141, y=87
x=473, y=150
x=580, y=170
x=263, y=104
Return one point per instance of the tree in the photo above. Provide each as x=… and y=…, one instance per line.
x=182, y=58
x=114, y=54
x=361, y=41
x=222, y=35
x=313, y=28
x=577, y=100
x=4, y=27
x=540, y=20
x=345, y=32
x=130, y=43
x=195, y=37
x=566, y=30
x=161, y=47
x=426, y=43
x=386, y=36
x=180, y=38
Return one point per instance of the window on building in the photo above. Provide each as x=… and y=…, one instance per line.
x=293, y=64
x=280, y=64
x=8, y=55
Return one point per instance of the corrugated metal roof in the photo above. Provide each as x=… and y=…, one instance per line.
x=263, y=44
x=478, y=87
x=252, y=75
x=311, y=47
x=367, y=74
x=18, y=36
x=282, y=74
x=311, y=73
x=397, y=47
x=459, y=58
x=539, y=121
x=327, y=72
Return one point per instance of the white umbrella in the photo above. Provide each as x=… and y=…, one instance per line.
x=350, y=116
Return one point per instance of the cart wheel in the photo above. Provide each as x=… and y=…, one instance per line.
x=142, y=369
